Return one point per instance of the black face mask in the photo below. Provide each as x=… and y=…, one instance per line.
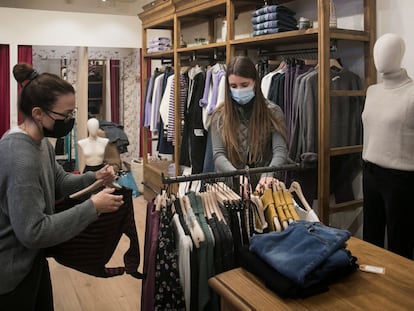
x=60, y=129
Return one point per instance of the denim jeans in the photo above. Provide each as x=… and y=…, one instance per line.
x=300, y=249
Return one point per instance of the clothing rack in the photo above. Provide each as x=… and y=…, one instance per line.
x=216, y=55
x=333, y=49
x=246, y=171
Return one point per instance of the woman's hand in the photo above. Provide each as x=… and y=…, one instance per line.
x=264, y=183
x=107, y=174
x=106, y=202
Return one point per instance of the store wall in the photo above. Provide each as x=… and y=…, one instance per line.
x=57, y=34
x=50, y=28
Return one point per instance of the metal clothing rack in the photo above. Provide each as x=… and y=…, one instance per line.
x=240, y=172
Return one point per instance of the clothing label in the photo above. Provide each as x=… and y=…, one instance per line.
x=372, y=269
x=198, y=132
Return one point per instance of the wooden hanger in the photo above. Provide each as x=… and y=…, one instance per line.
x=96, y=185
x=334, y=63
x=270, y=210
x=295, y=187
x=215, y=207
x=196, y=232
x=206, y=205
x=279, y=206
x=289, y=201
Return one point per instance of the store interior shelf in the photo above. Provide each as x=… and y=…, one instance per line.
x=345, y=150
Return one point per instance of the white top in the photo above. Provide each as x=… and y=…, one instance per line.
x=93, y=147
x=388, y=120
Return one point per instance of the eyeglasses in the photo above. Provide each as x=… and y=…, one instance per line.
x=67, y=117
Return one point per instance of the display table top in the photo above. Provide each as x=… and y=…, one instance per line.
x=394, y=290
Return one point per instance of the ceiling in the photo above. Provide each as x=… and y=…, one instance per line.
x=118, y=7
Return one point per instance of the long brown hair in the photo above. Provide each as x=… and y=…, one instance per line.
x=262, y=120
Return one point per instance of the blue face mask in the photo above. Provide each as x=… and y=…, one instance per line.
x=242, y=96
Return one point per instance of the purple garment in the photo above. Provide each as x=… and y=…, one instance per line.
x=216, y=82
x=150, y=249
x=204, y=101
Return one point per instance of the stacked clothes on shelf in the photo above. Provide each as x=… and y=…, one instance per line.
x=273, y=19
x=158, y=44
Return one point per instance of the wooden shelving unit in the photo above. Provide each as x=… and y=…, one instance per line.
x=180, y=14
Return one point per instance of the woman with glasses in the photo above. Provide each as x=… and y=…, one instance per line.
x=30, y=180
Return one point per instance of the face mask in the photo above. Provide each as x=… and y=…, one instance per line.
x=242, y=96
x=60, y=129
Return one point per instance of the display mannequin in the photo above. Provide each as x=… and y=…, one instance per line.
x=93, y=147
x=388, y=149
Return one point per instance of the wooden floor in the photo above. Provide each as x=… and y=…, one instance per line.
x=76, y=291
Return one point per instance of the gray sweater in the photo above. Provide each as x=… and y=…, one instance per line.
x=276, y=150
x=29, y=179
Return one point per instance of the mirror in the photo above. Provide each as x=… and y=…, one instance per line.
x=96, y=89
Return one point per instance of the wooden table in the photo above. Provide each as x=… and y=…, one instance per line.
x=394, y=290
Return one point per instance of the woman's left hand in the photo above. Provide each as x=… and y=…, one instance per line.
x=264, y=183
x=107, y=174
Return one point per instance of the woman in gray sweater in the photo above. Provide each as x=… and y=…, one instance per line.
x=30, y=181
x=247, y=129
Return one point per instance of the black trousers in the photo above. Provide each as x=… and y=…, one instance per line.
x=389, y=205
x=34, y=293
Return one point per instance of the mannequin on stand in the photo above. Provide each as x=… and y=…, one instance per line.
x=93, y=147
x=388, y=148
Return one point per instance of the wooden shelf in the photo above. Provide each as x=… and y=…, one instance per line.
x=345, y=150
x=202, y=47
x=355, y=93
x=159, y=55
x=178, y=14
x=346, y=206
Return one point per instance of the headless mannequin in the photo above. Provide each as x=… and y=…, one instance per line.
x=388, y=148
x=93, y=147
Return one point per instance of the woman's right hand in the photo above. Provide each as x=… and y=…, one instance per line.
x=106, y=202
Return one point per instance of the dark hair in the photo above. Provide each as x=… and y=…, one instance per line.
x=39, y=90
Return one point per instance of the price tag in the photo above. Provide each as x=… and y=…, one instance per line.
x=372, y=269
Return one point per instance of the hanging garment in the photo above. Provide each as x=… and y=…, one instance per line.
x=91, y=250
x=150, y=249
x=168, y=292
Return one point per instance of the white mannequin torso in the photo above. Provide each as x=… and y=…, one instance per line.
x=93, y=147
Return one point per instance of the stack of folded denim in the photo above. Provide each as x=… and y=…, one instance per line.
x=272, y=19
x=301, y=260
x=158, y=44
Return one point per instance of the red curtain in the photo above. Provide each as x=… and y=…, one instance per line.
x=114, y=81
x=4, y=88
x=24, y=55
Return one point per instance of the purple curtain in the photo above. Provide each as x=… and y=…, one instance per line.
x=24, y=55
x=4, y=88
x=114, y=81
